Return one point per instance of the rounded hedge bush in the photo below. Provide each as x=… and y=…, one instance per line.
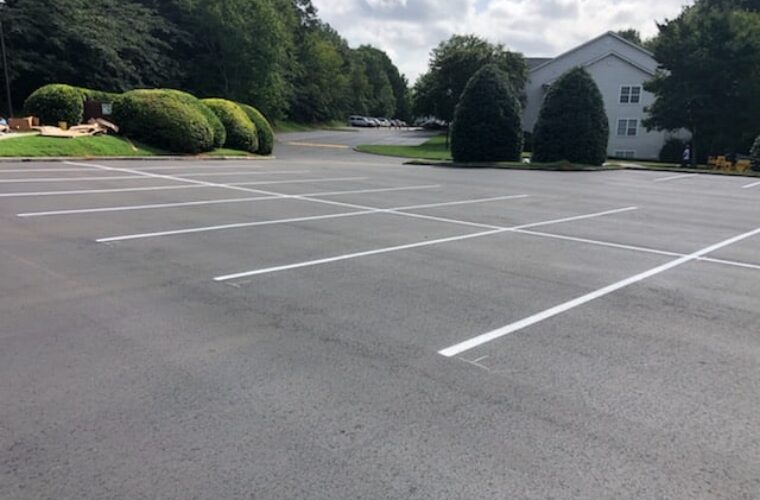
x=754, y=155
x=263, y=129
x=220, y=134
x=241, y=132
x=56, y=103
x=573, y=124
x=486, y=123
x=165, y=120
x=98, y=95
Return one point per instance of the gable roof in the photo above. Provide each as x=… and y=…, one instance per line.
x=590, y=42
x=532, y=62
x=614, y=53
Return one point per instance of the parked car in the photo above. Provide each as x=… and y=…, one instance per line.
x=359, y=121
x=383, y=122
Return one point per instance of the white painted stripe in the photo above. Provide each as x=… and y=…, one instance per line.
x=754, y=184
x=246, y=274
x=202, y=167
x=198, y=185
x=378, y=190
x=464, y=202
x=145, y=207
x=94, y=191
x=211, y=202
x=257, y=172
x=730, y=263
x=239, y=225
x=39, y=170
x=355, y=255
x=572, y=304
x=600, y=243
x=295, y=181
x=674, y=177
x=655, y=251
x=71, y=179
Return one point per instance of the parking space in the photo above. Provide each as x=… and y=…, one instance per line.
x=382, y=312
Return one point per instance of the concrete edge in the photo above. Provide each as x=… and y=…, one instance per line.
x=23, y=159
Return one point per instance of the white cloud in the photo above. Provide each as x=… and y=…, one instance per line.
x=409, y=29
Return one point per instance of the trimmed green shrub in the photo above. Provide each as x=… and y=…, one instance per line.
x=98, y=95
x=754, y=155
x=486, y=123
x=220, y=134
x=263, y=129
x=241, y=132
x=572, y=124
x=165, y=120
x=56, y=103
x=672, y=150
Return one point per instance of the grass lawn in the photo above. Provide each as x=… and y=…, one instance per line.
x=81, y=146
x=433, y=149
x=228, y=152
x=100, y=146
x=288, y=126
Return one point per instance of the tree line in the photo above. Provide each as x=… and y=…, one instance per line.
x=275, y=54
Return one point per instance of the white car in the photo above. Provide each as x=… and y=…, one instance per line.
x=359, y=121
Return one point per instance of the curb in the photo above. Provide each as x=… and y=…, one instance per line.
x=23, y=159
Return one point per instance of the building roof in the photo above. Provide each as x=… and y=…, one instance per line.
x=548, y=60
x=532, y=62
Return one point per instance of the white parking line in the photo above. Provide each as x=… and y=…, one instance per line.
x=45, y=170
x=754, y=184
x=71, y=179
x=255, y=272
x=257, y=172
x=212, y=202
x=240, y=225
x=572, y=304
x=95, y=191
x=674, y=177
x=655, y=251
x=197, y=184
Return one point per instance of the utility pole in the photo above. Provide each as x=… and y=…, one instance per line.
x=5, y=61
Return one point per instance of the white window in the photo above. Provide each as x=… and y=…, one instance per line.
x=627, y=127
x=630, y=94
x=628, y=155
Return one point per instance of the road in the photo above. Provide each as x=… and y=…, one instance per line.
x=332, y=325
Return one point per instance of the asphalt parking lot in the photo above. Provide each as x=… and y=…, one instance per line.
x=333, y=325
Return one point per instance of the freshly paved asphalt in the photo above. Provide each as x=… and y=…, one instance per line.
x=126, y=371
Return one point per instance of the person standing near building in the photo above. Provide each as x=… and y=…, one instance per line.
x=686, y=156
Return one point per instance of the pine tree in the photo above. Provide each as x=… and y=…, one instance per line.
x=486, y=123
x=573, y=124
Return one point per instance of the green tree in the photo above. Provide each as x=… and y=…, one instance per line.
x=451, y=66
x=632, y=35
x=486, y=123
x=572, y=124
x=240, y=51
x=709, y=81
x=323, y=82
x=112, y=45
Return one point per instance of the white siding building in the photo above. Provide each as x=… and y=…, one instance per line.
x=620, y=69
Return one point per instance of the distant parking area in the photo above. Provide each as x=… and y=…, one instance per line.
x=332, y=325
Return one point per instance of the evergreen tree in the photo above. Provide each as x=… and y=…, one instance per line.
x=486, y=123
x=572, y=124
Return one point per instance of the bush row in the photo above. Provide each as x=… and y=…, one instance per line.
x=168, y=119
x=572, y=125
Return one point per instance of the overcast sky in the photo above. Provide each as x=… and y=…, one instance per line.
x=408, y=29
